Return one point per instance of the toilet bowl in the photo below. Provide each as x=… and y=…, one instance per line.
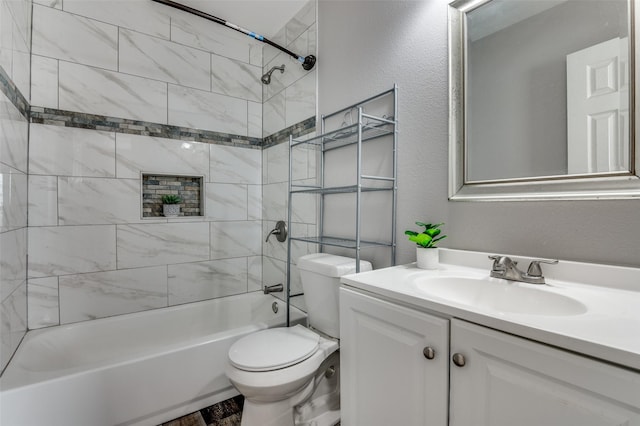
x=290, y=375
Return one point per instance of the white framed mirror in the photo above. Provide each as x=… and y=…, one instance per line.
x=543, y=100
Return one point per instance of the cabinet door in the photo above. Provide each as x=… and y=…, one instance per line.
x=385, y=377
x=508, y=381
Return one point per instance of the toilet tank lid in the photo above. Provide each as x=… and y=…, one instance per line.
x=331, y=265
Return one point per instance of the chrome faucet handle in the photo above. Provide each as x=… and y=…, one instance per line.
x=280, y=231
x=500, y=263
x=496, y=262
x=535, y=270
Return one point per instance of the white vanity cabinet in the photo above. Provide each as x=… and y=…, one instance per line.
x=477, y=377
x=507, y=380
x=387, y=377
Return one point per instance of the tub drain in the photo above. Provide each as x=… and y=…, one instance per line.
x=274, y=307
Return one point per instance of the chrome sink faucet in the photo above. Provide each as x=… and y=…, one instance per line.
x=506, y=268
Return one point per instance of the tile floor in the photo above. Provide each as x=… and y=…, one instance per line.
x=225, y=413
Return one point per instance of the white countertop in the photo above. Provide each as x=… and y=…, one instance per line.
x=609, y=329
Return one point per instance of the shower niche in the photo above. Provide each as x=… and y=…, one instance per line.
x=190, y=189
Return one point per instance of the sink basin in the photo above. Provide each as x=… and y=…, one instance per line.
x=499, y=295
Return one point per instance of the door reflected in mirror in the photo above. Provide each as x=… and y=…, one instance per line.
x=540, y=90
x=546, y=88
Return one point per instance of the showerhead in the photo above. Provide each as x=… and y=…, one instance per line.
x=309, y=62
x=266, y=79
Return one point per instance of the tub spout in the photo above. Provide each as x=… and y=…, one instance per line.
x=276, y=288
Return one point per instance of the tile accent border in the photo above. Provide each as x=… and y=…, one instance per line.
x=57, y=117
x=297, y=130
x=13, y=94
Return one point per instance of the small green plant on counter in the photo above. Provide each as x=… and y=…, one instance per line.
x=171, y=199
x=427, y=238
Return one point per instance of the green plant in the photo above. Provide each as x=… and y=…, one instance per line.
x=427, y=238
x=171, y=199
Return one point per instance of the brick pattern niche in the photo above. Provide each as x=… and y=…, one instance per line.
x=188, y=188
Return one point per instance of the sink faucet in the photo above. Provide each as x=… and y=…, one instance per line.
x=506, y=268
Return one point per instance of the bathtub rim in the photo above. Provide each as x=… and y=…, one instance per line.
x=15, y=376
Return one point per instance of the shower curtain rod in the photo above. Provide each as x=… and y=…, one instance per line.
x=307, y=62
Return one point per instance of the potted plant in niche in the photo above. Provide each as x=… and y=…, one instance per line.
x=171, y=205
x=426, y=252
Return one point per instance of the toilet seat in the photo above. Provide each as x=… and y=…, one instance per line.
x=274, y=348
x=276, y=385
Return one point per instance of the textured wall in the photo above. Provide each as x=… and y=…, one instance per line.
x=406, y=42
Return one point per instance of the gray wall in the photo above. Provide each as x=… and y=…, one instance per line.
x=366, y=46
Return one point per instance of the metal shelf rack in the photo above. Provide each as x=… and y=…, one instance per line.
x=367, y=128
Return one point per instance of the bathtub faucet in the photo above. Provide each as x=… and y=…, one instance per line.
x=276, y=288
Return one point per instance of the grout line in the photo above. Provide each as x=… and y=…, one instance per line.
x=116, y=245
x=58, y=86
x=59, y=308
x=118, y=29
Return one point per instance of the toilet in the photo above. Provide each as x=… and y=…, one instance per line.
x=291, y=375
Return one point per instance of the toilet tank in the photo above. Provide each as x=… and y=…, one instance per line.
x=320, y=276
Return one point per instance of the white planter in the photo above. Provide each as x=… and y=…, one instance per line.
x=171, y=210
x=427, y=258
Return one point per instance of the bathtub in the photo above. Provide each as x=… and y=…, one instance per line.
x=137, y=369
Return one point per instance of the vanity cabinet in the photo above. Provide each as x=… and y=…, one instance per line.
x=507, y=380
x=477, y=376
x=387, y=377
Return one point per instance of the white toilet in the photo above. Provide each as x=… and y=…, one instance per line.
x=291, y=376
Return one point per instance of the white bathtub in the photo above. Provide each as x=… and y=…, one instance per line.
x=136, y=369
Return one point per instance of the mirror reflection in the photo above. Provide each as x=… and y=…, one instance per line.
x=546, y=89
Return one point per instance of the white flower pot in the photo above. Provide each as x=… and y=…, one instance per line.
x=171, y=210
x=427, y=258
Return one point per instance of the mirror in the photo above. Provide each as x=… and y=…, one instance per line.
x=541, y=100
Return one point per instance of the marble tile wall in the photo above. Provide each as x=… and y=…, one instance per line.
x=290, y=100
x=93, y=255
x=275, y=207
x=15, y=42
x=145, y=61
x=291, y=96
x=14, y=94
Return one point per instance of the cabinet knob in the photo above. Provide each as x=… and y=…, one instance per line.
x=429, y=352
x=458, y=359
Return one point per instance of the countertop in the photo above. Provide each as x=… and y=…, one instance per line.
x=609, y=329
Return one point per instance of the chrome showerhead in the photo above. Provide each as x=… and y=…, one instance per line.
x=266, y=79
